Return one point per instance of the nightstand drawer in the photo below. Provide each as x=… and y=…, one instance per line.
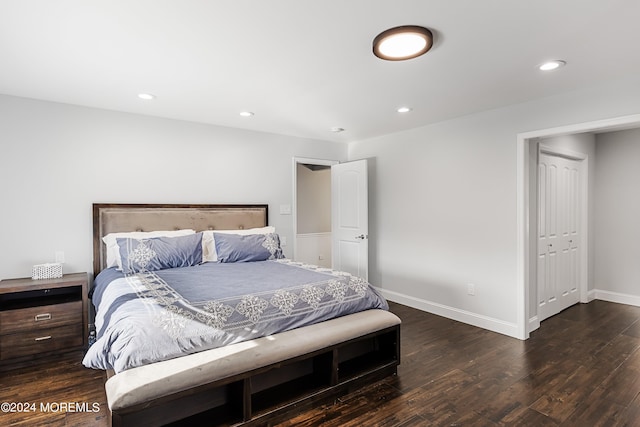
x=40, y=341
x=37, y=318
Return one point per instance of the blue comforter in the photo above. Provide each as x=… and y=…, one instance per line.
x=148, y=317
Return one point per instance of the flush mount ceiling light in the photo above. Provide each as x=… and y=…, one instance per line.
x=336, y=129
x=402, y=43
x=552, y=65
x=246, y=113
x=146, y=96
x=403, y=109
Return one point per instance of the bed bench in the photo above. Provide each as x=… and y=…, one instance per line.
x=237, y=382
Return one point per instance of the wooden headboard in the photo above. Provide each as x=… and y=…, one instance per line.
x=114, y=218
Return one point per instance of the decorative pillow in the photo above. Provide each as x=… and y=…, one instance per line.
x=209, y=253
x=158, y=253
x=113, y=252
x=253, y=247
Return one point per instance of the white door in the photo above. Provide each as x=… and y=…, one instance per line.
x=350, y=218
x=559, y=246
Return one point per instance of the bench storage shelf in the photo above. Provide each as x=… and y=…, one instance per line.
x=277, y=391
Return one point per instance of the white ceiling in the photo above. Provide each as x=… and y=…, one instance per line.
x=306, y=66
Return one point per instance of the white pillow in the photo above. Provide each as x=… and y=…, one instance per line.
x=113, y=251
x=209, y=253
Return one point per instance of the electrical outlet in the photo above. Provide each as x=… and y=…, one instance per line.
x=59, y=257
x=283, y=241
x=471, y=289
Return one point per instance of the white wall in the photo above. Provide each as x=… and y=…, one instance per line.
x=443, y=203
x=314, y=248
x=56, y=160
x=617, y=213
x=442, y=197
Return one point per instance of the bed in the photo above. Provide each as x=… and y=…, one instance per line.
x=247, y=338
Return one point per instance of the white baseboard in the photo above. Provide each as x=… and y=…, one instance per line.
x=490, y=323
x=615, y=297
x=595, y=294
x=485, y=322
x=534, y=323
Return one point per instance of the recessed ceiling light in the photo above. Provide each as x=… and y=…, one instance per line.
x=401, y=43
x=404, y=109
x=246, y=114
x=146, y=96
x=336, y=129
x=552, y=65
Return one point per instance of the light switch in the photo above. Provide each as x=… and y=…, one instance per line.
x=285, y=209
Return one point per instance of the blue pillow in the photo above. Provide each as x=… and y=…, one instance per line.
x=245, y=248
x=158, y=253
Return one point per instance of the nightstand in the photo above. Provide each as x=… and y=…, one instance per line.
x=42, y=317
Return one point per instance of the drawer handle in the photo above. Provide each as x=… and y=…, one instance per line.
x=48, y=337
x=43, y=316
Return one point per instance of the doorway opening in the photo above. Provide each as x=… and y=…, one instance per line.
x=312, y=211
x=527, y=319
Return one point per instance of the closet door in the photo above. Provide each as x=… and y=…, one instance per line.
x=559, y=243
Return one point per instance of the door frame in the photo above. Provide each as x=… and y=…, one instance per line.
x=583, y=225
x=294, y=208
x=523, y=141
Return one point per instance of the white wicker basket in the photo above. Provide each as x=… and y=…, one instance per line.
x=51, y=270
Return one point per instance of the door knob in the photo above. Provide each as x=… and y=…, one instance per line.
x=361, y=237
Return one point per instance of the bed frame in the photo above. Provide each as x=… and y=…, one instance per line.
x=259, y=382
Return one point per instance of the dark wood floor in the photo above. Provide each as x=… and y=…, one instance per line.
x=581, y=368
